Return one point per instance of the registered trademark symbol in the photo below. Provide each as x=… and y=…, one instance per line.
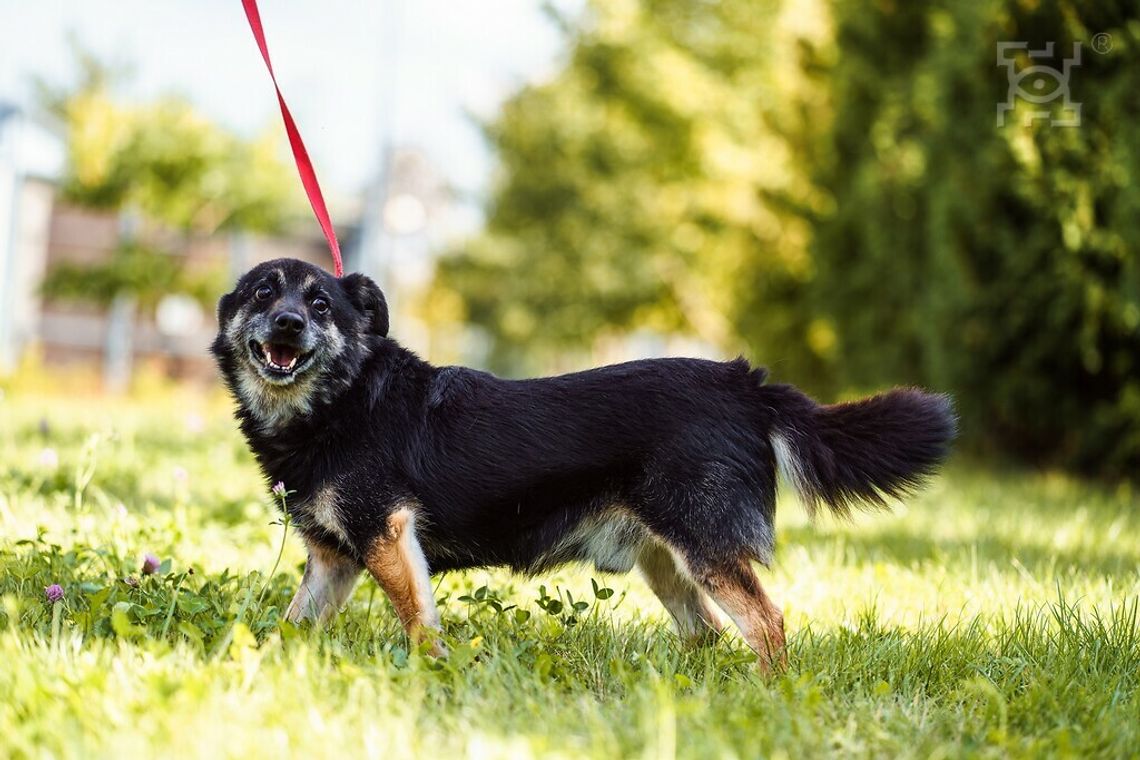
x=1102, y=42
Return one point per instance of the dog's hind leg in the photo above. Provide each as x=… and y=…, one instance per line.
x=397, y=562
x=714, y=520
x=736, y=589
x=328, y=580
x=696, y=620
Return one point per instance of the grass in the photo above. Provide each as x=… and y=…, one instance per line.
x=994, y=615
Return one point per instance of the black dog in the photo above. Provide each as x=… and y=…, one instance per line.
x=405, y=469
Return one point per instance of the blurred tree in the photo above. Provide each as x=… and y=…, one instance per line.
x=633, y=185
x=1000, y=263
x=164, y=161
x=169, y=169
x=134, y=269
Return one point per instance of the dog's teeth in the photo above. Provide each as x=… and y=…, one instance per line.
x=267, y=352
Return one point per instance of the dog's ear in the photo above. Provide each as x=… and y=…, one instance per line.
x=365, y=295
x=226, y=307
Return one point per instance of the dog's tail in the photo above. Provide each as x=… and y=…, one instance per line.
x=858, y=454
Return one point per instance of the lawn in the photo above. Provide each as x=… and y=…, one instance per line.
x=994, y=615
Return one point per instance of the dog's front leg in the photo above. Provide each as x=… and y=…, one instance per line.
x=328, y=580
x=397, y=562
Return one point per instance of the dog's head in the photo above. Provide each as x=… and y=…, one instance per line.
x=290, y=333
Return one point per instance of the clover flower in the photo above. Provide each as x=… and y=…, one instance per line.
x=279, y=489
x=150, y=564
x=54, y=592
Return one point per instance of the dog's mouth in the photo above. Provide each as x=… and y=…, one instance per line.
x=279, y=359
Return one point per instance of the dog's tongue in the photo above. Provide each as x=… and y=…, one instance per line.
x=282, y=355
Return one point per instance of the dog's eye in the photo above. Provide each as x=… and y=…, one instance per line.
x=263, y=293
x=320, y=305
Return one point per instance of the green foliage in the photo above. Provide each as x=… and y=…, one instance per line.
x=999, y=263
x=165, y=161
x=143, y=272
x=834, y=197
x=631, y=186
x=1009, y=630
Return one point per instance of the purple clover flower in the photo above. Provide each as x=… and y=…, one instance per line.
x=150, y=564
x=54, y=592
x=279, y=489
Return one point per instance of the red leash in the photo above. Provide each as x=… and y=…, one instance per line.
x=300, y=155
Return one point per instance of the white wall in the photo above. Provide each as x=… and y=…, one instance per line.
x=31, y=159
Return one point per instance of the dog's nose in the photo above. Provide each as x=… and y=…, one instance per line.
x=289, y=322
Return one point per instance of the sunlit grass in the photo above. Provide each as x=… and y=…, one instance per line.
x=995, y=614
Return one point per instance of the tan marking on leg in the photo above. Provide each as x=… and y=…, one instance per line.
x=696, y=620
x=326, y=585
x=397, y=562
x=738, y=592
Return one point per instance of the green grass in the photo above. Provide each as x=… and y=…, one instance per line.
x=994, y=615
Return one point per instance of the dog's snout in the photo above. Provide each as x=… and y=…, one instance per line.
x=289, y=322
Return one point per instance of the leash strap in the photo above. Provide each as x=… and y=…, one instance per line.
x=300, y=155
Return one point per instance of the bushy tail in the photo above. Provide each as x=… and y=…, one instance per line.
x=859, y=454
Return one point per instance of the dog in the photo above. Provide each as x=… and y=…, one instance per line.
x=670, y=465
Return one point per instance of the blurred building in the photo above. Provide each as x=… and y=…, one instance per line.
x=31, y=161
x=173, y=338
